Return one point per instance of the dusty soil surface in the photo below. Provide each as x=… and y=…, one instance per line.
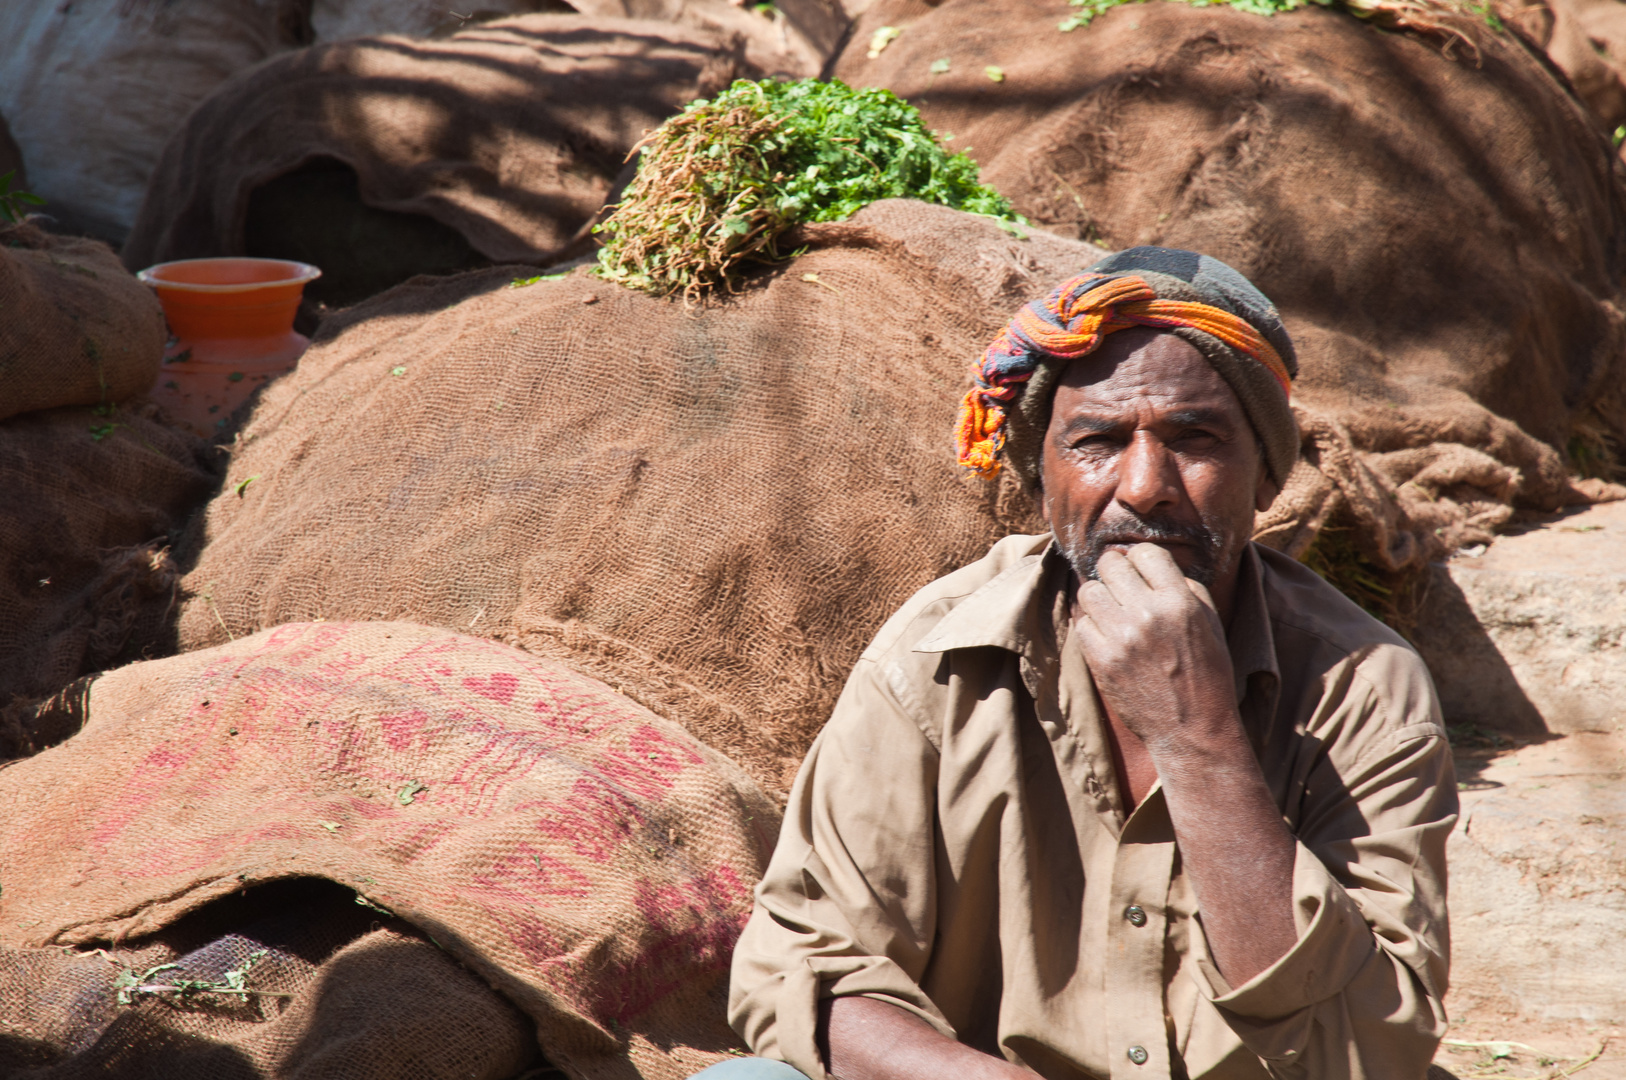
x=1538, y=909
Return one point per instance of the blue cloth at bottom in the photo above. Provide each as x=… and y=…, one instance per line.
x=750, y=1068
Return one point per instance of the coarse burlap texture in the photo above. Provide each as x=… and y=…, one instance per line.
x=793, y=39
x=92, y=89
x=589, y=861
x=510, y=134
x=1587, y=40
x=91, y=500
x=1439, y=220
x=360, y=996
x=77, y=329
x=712, y=509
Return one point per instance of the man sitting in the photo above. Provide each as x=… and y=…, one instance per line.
x=1134, y=798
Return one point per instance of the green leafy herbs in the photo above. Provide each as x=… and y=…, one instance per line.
x=409, y=794
x=520, y=283
x=129, y=988
x=724, y=180
x=13, y=204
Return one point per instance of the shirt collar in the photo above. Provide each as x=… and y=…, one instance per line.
x=1011, y=611
x=1006, y=612
x=1252, y=645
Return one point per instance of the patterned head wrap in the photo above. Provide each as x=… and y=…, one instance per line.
x=1196, y=297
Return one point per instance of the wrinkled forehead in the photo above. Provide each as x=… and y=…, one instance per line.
x=1144, y=371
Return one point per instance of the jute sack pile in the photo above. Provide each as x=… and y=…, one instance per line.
x=712, y=509
x=336, y=991
x=793, y=39
x=92, y=498
x=1440, y=221
x=91, y=494
x=77, y=329
x=587, y=860
x=508, y=135
x=93, y=88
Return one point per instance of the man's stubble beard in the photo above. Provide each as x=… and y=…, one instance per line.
x=1214, y=546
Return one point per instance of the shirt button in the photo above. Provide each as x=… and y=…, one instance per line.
x=1138, y=1055
x=1137, y=917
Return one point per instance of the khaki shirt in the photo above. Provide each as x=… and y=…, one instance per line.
x=955, y=844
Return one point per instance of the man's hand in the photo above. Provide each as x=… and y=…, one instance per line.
x=1156, y=649
x=1157, y=653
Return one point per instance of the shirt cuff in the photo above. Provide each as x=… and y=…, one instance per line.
x=1270, y=1012
x=804, y=985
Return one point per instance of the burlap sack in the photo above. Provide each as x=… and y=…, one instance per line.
x=77, y=329
x=90, y=503
x=791, y=39
x=93, y=89
x=1439, y=220
x=589, y=861
x=338, y=992
x=711, y=509
x=1587, y=40
x=507, y=135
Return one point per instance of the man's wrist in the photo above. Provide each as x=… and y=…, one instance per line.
x=1208, y=739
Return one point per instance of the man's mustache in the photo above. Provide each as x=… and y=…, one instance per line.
x=1206, y=544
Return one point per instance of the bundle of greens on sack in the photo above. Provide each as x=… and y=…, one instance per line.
x=725, y=181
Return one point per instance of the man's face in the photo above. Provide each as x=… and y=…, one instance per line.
x=1147, y=443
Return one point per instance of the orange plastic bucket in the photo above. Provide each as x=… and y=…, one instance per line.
x=232, y=321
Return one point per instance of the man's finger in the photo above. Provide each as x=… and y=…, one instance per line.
x=1200, y=591
x=1156, y=566
x=1120, y=576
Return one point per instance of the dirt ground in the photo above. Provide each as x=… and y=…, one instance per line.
x=1538, y=905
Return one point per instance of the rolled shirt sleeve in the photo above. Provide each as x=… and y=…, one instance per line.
x=847, y=904
x=1360, y=993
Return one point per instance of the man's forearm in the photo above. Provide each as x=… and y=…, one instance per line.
x=865, y=1039
x=1234, y=845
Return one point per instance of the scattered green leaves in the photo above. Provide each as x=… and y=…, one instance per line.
x=129, y=987
x=940, y=66
x=409, y=794
x=98, y=432
x=520, y=283
x=380, y=908
x=398, y=371
x=725, y=179
x=994, y=73
x=242, y=485
x=879, y=40
x=12, y=203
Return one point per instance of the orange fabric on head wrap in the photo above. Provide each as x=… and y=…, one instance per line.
x=1072, y=322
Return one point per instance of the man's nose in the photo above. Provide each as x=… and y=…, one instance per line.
x=1148, y=477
